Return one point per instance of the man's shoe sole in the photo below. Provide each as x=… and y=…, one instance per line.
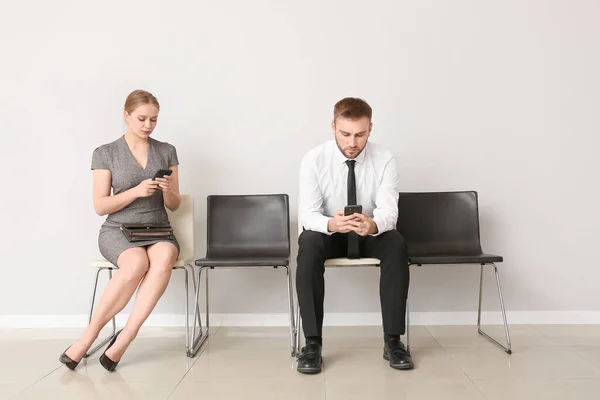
x=403, y=367
x=309, y=370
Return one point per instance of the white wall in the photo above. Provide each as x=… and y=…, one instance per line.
x=500, y=97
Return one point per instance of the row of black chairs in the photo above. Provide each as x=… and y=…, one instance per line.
x=253, y=231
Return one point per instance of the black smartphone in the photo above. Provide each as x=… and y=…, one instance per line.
x=349, y=210
x=162, y=172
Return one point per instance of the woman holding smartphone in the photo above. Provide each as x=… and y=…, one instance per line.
x=129, y=165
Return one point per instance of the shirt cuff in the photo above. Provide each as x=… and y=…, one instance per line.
x=318, y=224
x=381, y=226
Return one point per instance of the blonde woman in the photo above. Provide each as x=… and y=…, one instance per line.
x=128, y=165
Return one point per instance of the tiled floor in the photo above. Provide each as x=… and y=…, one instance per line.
x=452, y=362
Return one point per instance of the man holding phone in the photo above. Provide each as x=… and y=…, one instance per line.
x=348, y=207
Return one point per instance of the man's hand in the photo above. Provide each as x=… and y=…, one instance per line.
x=362, y=224
x=340, y=224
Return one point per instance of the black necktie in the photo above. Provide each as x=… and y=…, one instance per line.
x=353, y=250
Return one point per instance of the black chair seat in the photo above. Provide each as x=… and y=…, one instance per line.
x=242, y=262
x=455, y=259
x=442, y=228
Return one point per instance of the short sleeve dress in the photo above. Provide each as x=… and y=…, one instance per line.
x=126, y=174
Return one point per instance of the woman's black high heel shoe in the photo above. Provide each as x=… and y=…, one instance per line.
x=106, y=362
x=67, y=361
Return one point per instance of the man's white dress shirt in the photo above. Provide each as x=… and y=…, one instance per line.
x=323, y=186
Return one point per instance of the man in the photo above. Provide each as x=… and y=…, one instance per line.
x=350, y=171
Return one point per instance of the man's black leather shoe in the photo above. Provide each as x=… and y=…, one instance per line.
x=310, y=361
x=395, y=352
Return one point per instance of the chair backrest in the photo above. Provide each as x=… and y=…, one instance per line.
x=248, y=226
x=182, y=222
x=439, y=223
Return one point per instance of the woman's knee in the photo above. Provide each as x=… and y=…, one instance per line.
x=162, y=256
x=133, y=263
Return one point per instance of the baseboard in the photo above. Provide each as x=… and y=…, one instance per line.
x=331, y=319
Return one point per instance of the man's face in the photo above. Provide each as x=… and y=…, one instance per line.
x=351, y=135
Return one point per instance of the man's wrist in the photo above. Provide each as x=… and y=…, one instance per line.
x=373, y=229
x=329, y=227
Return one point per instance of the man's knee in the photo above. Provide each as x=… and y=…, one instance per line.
x=311, y=250
x=394, y=239
x=312, y=241
x=393, y=246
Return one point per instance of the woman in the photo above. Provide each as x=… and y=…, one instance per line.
x=128, y=165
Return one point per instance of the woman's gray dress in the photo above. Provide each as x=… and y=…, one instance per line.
x=126, y=174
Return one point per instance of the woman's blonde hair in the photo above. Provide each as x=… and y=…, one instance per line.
x=139, y=98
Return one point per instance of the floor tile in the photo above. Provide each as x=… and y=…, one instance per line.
x=466, y=335
x=590, y=353
x=524, y=363
x=29, y=360
x=237, y=338
x=10, y=389
x=571, y=335
x=250, y=389
x=245, y=364
x=66, y=384
x=428, y=389
x=555, y=389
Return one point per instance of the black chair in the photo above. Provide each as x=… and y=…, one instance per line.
x=246, y=231
x=443, y=228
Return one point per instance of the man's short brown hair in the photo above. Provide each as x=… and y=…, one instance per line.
x=352, y=108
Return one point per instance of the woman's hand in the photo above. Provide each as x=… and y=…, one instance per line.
x=164, y=183
x=146, y=188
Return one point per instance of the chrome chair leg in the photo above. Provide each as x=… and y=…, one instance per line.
x=297, y=329
x=291, y=310
x=508, y=347
x=199, y=339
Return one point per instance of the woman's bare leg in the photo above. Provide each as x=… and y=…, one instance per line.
x=162, y=257
x=133, y=264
